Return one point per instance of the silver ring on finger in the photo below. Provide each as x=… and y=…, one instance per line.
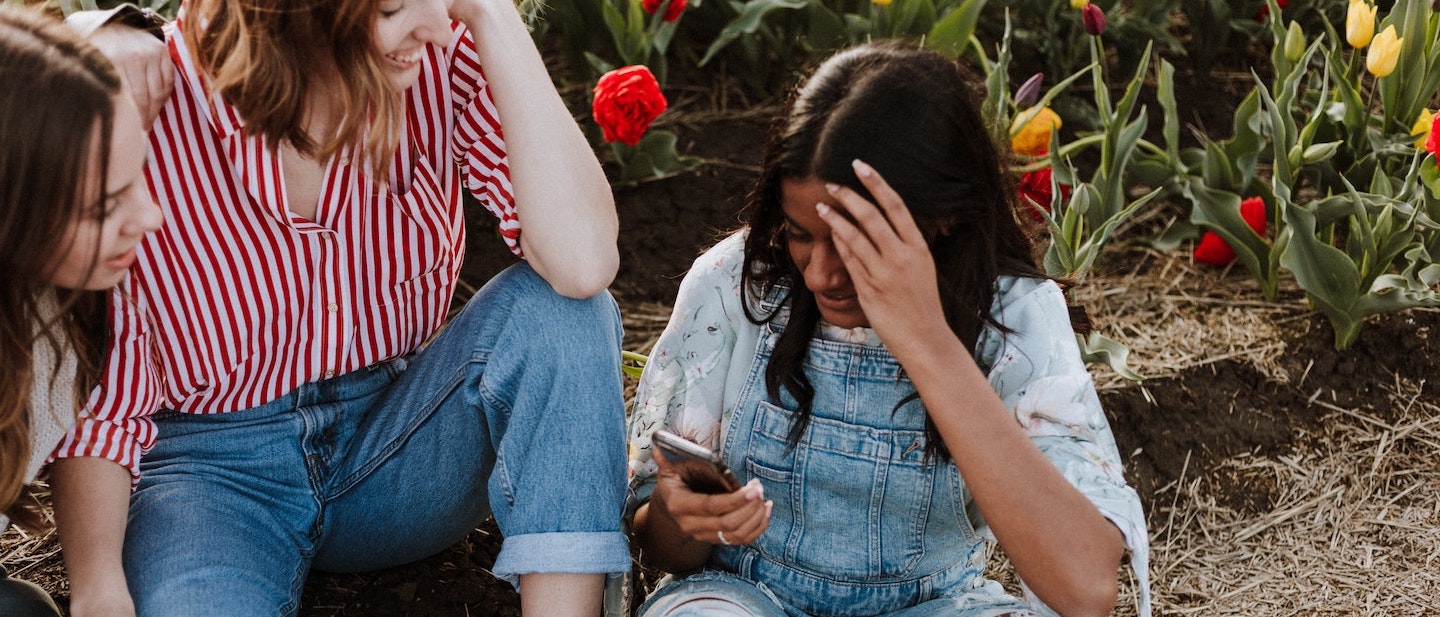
x=721, y=535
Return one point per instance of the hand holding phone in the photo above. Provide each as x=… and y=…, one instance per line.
x=699, y=467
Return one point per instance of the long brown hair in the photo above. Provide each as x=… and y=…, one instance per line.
x=56, y=110
x=914, y=116
x=263, y=56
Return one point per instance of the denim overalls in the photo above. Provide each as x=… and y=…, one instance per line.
x=862, y=523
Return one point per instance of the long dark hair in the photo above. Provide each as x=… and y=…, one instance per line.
x=914, y=116
x=56, y=111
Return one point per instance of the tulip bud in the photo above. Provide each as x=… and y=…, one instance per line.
x=1384, y=52
x=1080, y=4
x=1295, y=42
x=1360, y=23
x=1029, y=91
x=1320, y=152
x=1094, y=19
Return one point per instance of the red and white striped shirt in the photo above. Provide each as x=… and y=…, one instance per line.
x=237, y=300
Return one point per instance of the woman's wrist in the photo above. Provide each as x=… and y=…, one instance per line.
x=483, y=16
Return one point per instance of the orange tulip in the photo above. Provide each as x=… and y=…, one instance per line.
x=1033, y=139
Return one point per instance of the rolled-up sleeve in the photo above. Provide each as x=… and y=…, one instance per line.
x=115, y=422
x=478, y=146
x=1039, y=375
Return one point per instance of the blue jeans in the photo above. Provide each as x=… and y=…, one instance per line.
x=514, y=409
x=712, y=593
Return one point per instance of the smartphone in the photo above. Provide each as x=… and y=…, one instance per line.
x=700, y=468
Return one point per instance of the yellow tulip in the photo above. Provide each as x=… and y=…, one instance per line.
x=1422, y=127
x=881, y=2
x=1360, y=23
x=1078, y=4
x=1384, y=52
x=1033, y=139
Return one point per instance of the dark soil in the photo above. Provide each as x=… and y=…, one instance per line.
x=1211, y=413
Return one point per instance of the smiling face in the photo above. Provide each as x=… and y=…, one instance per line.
x=808, y=240
x=403, y=30
x=99, y=246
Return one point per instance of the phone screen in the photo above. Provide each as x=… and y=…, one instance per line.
x=700, y=468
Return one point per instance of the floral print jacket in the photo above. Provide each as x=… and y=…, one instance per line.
x=702, y=359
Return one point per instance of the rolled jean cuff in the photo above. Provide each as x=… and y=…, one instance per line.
x=576, y=552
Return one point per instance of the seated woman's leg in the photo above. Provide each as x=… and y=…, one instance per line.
x=712, y=594
x=515, y=408
x=221, y=521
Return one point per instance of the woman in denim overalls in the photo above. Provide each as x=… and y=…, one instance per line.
x=885, y=368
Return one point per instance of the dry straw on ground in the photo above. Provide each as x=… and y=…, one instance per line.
x=1353, y=531
x=1355, y=525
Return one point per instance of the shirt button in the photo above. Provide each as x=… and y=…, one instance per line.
x=329, y=374
x=333, y=308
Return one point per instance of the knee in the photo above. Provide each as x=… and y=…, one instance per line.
x=536, y=312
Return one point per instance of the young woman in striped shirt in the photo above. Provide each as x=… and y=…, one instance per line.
x=286, y=366
x=73, y=206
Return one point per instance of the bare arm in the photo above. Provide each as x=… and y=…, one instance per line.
x=566, y=210
x=130, y=39
x=1061, y=545
x=92, y=498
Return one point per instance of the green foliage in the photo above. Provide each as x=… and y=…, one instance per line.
x=1380, y=263
x=760, y=35
x=1325, y=127
x=1048, y=33
x=654, y=156
x=1080, y=228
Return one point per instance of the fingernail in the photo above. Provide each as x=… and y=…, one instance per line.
x=832, y=187
x=861, y=169
x=822, y=209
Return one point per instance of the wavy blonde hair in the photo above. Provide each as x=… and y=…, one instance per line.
x=262, y=56
x=56, y=108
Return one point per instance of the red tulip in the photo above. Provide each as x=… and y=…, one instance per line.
x=1213, y=249
x=1432, y=143
x=627, y=100
x=1093, y=18
x=1035, y=186
x=1265, y=10
x=672, y=12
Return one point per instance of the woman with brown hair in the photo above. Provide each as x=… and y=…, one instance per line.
x=302, y=405
x=73, y=206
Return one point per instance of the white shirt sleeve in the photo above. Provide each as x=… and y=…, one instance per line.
x=697, y=366
x=1040, y=377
